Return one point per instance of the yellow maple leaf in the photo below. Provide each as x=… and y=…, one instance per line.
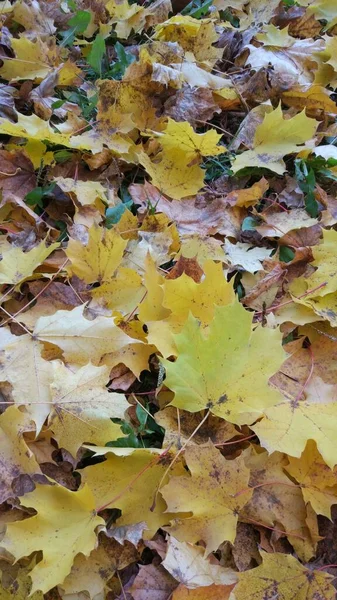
x=182, y=135
x=227, y=370
x=318, y=290
x=16, y=458
x=273, y=36
x=182, y=150
x=151, y=308
x=33, y=60
x=99, y=259
x=289, y=513
x=86, y=192
x=182, y=296
x=314, y=98
x=130, y=483
x=80, y=339
x=318, y=482
x=30, y=377
x=288, y=425
x=195, y=36
x=282, y=576
x=83, y=407
x=127, y=17
x=122, y=292
x=61, y=515
x=322, y=9
x=210, y=494
x=16, y=265
x=32, y=127
x=275, y=138
x=91, y=574
x=324, y=280
x=17, y=583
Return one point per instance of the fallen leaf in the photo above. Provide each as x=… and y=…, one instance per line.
x=283, y=575
x=130, y=483
x=188, y=566
x=99, y=258
x=59, y=513
x=83, y=407
x=16, y=458
x=16, y=265
x=211, y=493
x=153, y=583
x=288, y=426
x=275, y=138
x=226, y=381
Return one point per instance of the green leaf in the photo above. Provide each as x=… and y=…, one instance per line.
x=96, y=54
x=62, y=156
x=286, y=254
x=36, y=196
x=249, y=224
x=141, y=416
x=124, y=60
x=80, y=21
x=78, y=24
x=57, y=104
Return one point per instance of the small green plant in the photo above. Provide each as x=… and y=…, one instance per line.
x=146, y=435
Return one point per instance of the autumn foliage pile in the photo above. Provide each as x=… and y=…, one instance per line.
x=168, y=273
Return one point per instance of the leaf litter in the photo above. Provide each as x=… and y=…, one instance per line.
x=168, y=299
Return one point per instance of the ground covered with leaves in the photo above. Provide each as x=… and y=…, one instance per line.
x=168, y=300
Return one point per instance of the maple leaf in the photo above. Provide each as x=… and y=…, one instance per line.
x=124, y=291
x=179, y=297
x=127, y=17
x=16, y=458
x=195, y=36
x=16, y=265
x=210, y=494
x=275, y=138
x=228, y=370
x=30, y=376
x=282, y=575
x=130, y=483
x=180, y=156
x=91, y=573
x=314, y=98
x=278, y=502
x=81, y=340
x=153, y=583
x=17, y=173
x=188, y=565
x=17, y=582
x=245, y=256
x=34, y=60
x=61, y=514
x=318, y=482
x=318, y=290
x=83, y=407
x=288, y=425
x=322, y=9
x=99, y=258
x=33, y=128
x=295, y=64
x=87, y=193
